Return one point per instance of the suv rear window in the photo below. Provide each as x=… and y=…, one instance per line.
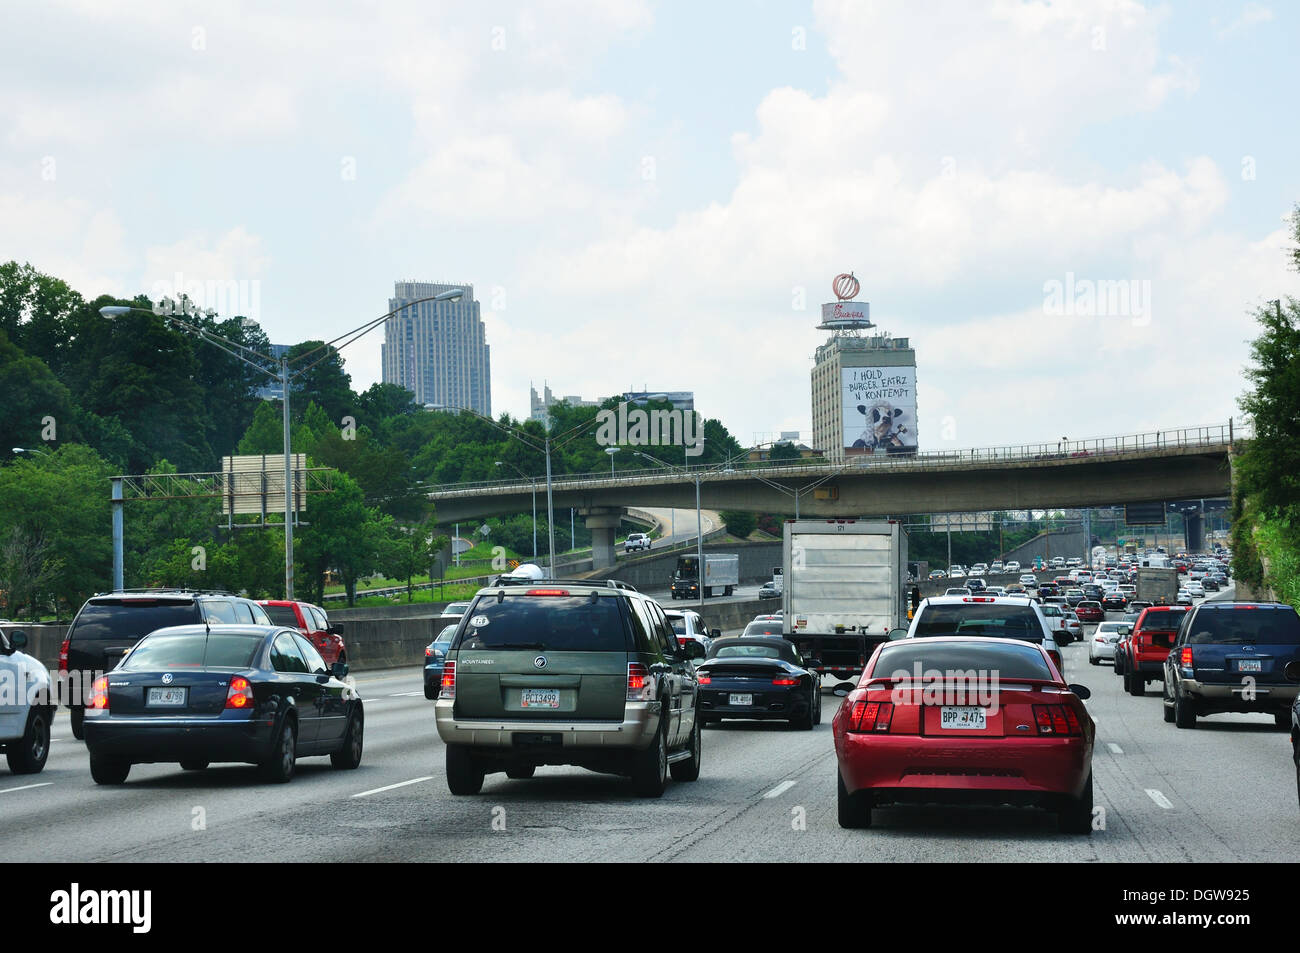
x=193, y=651
x=130, y=618
x=282, y=615
x=545, y=623
x=1262, y=625
x=1164, y=619
x=983, y=619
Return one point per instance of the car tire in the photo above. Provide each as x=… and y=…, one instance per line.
x=1137, y=686
x=853, y=810
x=1295, y=756
x=689, y=770
x=1184, y=713
x=27, y=755
x=1093, y=661
x=521, y=772
x=109, y=771
x=817, y=703
x=77, y=715
x=431, y=693
x=464, y=775
x=1075, y=816
x=1282, y=720
x=650, y=767
x=279, y=767
x=194, y=765
x=348, y=757
x=805, y=721
x=1167, y=705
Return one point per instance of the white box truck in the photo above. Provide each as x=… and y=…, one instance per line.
x=845, y=588
x=721, y=576
x=1157, y=585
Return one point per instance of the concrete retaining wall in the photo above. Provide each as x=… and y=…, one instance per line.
x=653, y=572
x=1067, y=543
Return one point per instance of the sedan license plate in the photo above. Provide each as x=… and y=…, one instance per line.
x=165, y=698
x=965, y=717
x=741, y=700
x=539, y=698
x=1248, y=665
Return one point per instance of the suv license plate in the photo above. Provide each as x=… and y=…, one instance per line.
x=741, y=700
x=1248, y=665
x=964, y=717
x=539, y=698
x=165, y=698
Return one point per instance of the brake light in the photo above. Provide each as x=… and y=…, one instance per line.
x=682, y=640
x=785, y=681
x=99, y=694
x=1058, y=720
x=240, y=694
x=639, y=686
x=704, y=680
x=977, y=599
x=547, y=592
x=1056, y=658
x=1185, y=658
x=63, y=655
x=448, y=679
x=871, y=716
x=428, y=651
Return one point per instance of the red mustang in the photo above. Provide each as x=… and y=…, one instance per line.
x=1090, y=611
x=961, y=719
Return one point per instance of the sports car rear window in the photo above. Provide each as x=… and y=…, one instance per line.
x=903, y=658
x=748, y=651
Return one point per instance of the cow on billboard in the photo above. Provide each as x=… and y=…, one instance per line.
x=883, y=431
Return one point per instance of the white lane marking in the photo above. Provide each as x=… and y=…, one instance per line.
x=403, y=694
x=1159, y=798
x=1114, y=748
x=399, y=784
x=27, y=787
x=780, y=789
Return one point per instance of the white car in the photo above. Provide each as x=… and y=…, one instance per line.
x=25, y=709
x=636, y=542
x=1011, y=567
x=993, y=591
x=958, y=592
x=997, y=568
x=687, y=624
x=1029, y=579
x=956, y=572
x=1184, y=598
x=1005, y=617
x=1196, y=590
x=1102, y=644
x=978, y=569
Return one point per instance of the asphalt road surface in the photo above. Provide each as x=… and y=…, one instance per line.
x=1222, y=792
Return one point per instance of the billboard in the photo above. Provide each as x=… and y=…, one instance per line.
x=1143, y=514
x=879, y=406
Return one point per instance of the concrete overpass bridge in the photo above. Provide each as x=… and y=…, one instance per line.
x=1180, y=464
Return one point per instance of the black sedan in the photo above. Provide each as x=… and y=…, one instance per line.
x=758, y=677
x=196, y=694
x=1114, y=600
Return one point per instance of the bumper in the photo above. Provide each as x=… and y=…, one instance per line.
x=1151, y=668
x=147, y=740
x=634, y=732
x=786, y=705
x=916, y=766
x=1267, y=694
x=1101, y=651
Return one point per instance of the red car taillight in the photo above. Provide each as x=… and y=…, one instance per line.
x=63, y=655
x=639, y=686
x=1056, y=659
x=99, y=694
x=240, y=694
x=704, y=680
x=871, y=716
x=1058, y=720
x=449, y=679
x=1185, y=659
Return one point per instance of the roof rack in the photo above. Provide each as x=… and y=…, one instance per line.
x=507, y=580
x=162, y=589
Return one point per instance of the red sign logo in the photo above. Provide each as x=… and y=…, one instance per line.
x=846, y=286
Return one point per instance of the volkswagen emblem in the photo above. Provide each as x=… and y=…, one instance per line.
x=167, y=679
x=539, y=662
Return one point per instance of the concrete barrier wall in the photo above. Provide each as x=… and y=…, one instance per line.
x=1067, y=543
x=653, y=572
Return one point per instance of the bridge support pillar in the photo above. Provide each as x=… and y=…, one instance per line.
x=603, y=522
x=1194, y=532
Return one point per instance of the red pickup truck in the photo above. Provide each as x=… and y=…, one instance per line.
x=1153, y=635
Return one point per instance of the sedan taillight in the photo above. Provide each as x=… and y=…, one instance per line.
x=871, y=716
x=240, y=694
x=99, y=694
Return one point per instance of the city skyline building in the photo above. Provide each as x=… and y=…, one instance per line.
x=438, y=349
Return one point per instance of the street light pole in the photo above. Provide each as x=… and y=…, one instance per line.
x=288, y=482
x=550, y=499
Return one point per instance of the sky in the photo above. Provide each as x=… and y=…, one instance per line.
x=659, y=195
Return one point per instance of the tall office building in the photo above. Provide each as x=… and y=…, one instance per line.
x=437, y=349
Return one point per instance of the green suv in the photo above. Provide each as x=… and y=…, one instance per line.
x=573, y=672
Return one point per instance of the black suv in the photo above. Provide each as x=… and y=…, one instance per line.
x=569, y=672
x=1232, y=656
x=110, y=624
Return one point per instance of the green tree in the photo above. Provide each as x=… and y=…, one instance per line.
x=322, y=382
x=739, y=523
x=1270, y=467
x=343, y=535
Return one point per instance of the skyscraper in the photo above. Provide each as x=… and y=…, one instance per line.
x=437, y=349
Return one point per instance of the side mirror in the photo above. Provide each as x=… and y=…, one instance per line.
x=896, y=634
x=715, y=633
x=1081, y=690
x=1292, y=671
x=339, y=670
x=694, y=650
x=335, y=628
x=18, y=639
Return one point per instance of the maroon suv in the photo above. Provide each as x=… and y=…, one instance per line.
x=313, y=623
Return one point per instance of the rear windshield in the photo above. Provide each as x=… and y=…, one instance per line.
x=193, y=651
x=545, y=623
x=902, y=658
x=763, y=628
x=679, y=625
x=748, y=651
x=282, y=615
x=983, y=619
x=1164, y=619
x=1260, y=624
x=132, y=619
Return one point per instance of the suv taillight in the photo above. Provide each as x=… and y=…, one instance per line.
x=639, y=686
x=1185, y=660
x=448, y=679
x=99, y=694
x=63, y=655
x=240, y=695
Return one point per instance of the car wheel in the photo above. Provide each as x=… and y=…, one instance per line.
x=279, y=767
x=805, y=721
x=521, y=772
x=1075, y=816
x=349, y=754
x=464, y=775
x=1093, y=661
x=1137, y=686
x=1282, y=719
x=817, y=702
x=650, y=767
x=1295, y=756
x=1184, y=713
x=27, y=755
x=689, y=770
x=1167, y=704
x=194, y=765
x=431, y=693
x=108, y=771
x=853, y=810
x=78, y=717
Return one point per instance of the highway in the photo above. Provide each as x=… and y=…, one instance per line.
x=1222, y=792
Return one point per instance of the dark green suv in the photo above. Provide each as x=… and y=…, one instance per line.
x=572, y=672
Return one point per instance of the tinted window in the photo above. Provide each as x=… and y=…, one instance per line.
x=1009, y=661
x=1261, y=625
x=314, y=662
x=642, y=627
x=259, y=616
x=219, y=610
x=983, y=619
x=667, y=641
x=546, y=623
x=1163, y=619
x=243, y=613
x=763, y=628
x=748, y=651
x=285, y=656
x=193, y=651
x=282, y=615
x=131, y=620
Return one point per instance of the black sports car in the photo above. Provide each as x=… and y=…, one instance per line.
x=758, y=677
x=197, y=694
